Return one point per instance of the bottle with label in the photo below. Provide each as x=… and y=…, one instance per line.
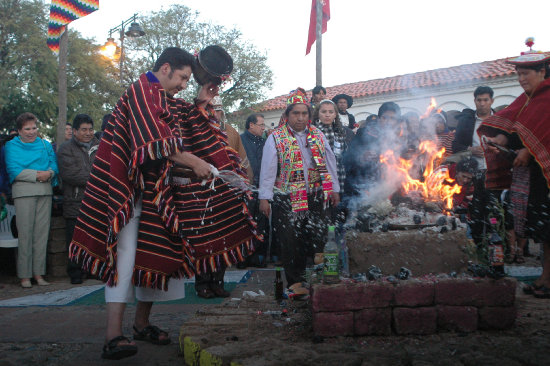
x=279, y=288
x=496, y=248
x=331, y=273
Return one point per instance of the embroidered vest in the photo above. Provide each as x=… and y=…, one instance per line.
x=290, y=177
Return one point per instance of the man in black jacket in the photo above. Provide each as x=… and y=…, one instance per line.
x=466, y=137
x=253, y=142
x=75, y=157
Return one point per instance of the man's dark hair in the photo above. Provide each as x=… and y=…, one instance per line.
x=389, y=106
x=80, y=119
x=318, y=89
x=290, y=107
x=537, y=68
x=480, y=90
x=176, y=58
x=468, y=165
x=24, y=118
x=105, y=122
x=253, y=118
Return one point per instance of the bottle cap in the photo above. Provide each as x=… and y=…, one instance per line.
x=331, y=228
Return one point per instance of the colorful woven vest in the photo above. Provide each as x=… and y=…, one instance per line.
x=291, y=167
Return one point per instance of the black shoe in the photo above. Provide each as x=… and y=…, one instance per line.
x=241, y=265
x=206, y=293
x=220, y=291
x=76, y=281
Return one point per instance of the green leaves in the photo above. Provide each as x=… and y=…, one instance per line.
x=179, y=26
x=28, y=70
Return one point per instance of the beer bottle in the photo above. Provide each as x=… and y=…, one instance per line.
x=496, y=248
x=278, y=284
x=331, y=272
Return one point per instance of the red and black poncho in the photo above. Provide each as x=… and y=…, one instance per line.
x=183, y=228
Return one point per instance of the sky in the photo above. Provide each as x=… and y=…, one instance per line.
x=365, y=39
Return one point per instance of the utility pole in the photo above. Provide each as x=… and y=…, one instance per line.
x=62, y=87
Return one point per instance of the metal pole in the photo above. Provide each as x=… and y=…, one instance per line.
x=62, y=87
x=319, y=44
x=121, y=64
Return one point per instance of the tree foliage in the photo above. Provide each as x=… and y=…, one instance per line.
x=29, y=70
x=179, y=26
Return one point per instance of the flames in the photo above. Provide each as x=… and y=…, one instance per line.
x=434, y=185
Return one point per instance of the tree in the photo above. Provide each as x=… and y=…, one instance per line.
x=28, y=70
x=178, y=27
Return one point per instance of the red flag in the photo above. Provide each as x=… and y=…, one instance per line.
x=312, y=36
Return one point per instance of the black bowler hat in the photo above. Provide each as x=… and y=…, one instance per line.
x=213, y=65
x=343, y=96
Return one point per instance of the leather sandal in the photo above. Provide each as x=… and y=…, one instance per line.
x=151, y=333
x=113, y=350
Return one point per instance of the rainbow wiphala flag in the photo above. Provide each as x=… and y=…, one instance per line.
x=62, y=12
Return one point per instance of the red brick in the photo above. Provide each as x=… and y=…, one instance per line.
x=459, y=318
x=414, y=293
x=497, y=317
x=351, y=296
x=415, y=320
x=372, y=322
x=459, y=292
x=475, y=292
x=333, y=324
x=498, y=292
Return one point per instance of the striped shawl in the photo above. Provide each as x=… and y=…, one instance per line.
x=146, y=127
x=529, y=118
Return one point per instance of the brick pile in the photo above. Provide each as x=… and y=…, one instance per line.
x=415, y=306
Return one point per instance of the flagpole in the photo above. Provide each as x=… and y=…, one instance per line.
x=319, y=44
x=62, y=87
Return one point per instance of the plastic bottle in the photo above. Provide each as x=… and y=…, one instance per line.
x=279, y=288
x=331, y=268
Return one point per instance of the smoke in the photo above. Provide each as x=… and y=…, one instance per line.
x=371, y=181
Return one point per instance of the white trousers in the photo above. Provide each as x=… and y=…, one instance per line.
x=125, y=291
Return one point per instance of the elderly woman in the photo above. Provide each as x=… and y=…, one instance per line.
x=32, y=170
x=523, y=126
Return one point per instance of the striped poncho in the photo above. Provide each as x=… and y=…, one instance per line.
x=184, y=227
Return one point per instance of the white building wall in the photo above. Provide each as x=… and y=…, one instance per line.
x=448, y=97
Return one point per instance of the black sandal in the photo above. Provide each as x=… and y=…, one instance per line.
x=151, y=333
x=115, y=351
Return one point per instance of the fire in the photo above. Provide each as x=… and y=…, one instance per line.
x=431, y=107
x=435, y=186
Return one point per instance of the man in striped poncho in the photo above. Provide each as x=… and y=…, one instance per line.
x=147, y=218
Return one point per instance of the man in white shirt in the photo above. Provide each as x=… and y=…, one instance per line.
x=299, y=164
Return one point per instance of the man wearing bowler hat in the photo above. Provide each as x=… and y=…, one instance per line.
x=343, y=102
x=148, y=217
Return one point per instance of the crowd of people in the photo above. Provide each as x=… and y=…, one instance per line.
x=145, y=204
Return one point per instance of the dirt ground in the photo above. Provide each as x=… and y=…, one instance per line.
x=235, y=331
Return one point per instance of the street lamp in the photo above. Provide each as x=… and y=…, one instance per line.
x=110, y=46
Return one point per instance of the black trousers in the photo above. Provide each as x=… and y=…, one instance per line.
x=73, y=270
x=300, y=234
x=261, y=247
x=209, y=279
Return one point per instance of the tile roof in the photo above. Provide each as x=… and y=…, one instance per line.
x=478, y=71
